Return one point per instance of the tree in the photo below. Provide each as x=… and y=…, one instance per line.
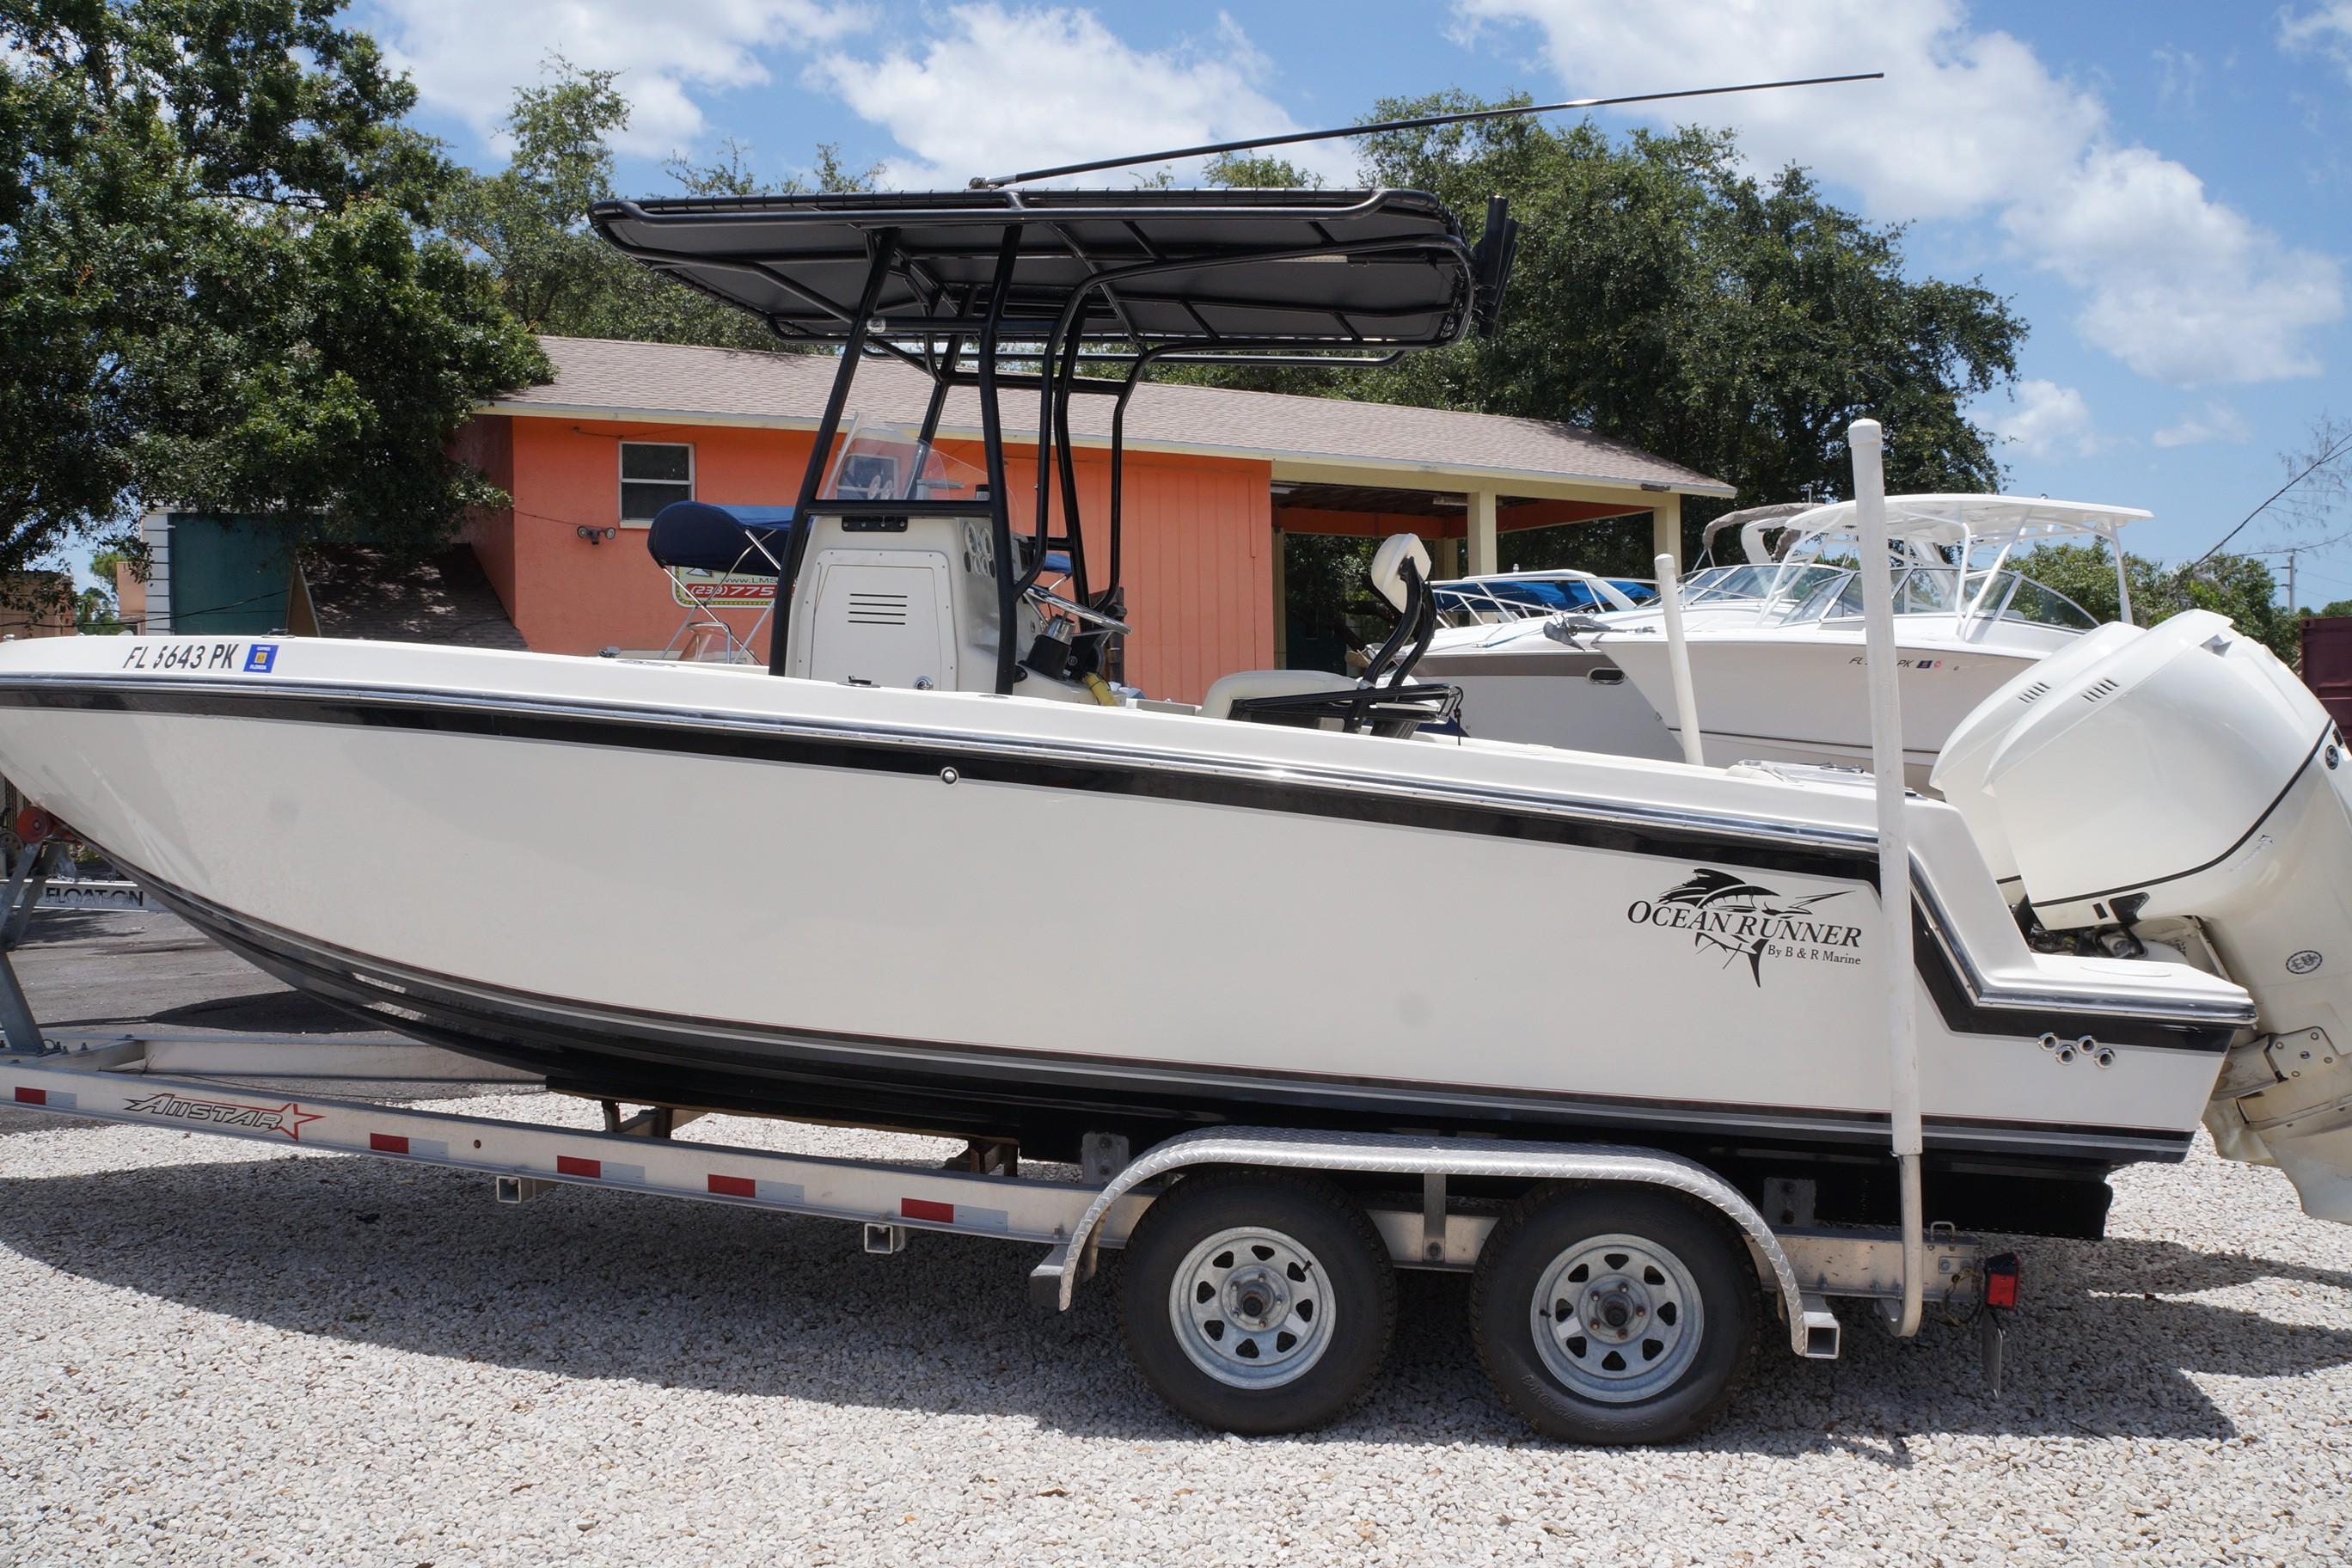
x=1663, y=296
x=2319, y=476
x=2238, y=586
x=94, y=613
x=529, y=223
x=212, y=290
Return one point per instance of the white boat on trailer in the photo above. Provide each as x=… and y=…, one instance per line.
x=1776, y=642
x=917, y=936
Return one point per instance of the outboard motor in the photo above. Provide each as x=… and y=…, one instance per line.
x=2177, y=786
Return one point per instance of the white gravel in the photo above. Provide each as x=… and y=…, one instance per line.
x=217, y=1352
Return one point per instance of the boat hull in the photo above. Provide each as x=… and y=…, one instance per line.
x=1544, y=693
x=1024, y=919
x=1783, y=697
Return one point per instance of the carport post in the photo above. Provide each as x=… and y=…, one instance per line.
x=1666, y=527
x=1483, y=557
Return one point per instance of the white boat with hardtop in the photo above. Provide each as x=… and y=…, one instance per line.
x=971, y=887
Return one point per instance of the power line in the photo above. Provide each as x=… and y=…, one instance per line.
x=2316, y=464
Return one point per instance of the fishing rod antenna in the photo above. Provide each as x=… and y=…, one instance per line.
x=1418, y=123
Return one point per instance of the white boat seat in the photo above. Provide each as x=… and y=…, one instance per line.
x=1245, y=684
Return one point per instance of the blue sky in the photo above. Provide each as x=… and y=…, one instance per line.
x=2164, y=189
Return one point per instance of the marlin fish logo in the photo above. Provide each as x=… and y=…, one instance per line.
x=1742, y=918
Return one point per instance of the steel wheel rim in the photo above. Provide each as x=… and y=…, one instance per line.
x=1251, y=1307
x=1617, y=1319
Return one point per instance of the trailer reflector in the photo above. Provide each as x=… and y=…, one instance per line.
x=387, y=1143
x=2000, y=1281
x=924, y=1208
x=735, y=1186
x=573, y=1165
x=26, y=1096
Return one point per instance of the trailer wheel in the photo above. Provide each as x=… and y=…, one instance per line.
x=1257, y=1301
x=1613, y=1314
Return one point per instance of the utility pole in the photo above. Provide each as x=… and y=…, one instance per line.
x=2290, y=552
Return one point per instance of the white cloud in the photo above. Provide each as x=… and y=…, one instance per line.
x=2180, y=78
x=2178, y=287
x=2045, y=420
x=2214, y=421
x=997, y=90
x=1970, y=123
x=468, y=57
x=2327, y=29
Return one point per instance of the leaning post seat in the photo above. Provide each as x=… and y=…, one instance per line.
x=703, y=536
x=1379, y=703
x=732, y=541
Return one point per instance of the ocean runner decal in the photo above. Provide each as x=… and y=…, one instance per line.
x=1747, y=919
x=288, y=1119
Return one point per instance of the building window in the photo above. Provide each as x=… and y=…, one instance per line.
x=653, y=475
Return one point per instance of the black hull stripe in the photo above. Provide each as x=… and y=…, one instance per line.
x=961, y=1086
x=745, y=738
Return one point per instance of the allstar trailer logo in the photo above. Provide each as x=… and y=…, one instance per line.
x=288, y=1118
x=1744, y=920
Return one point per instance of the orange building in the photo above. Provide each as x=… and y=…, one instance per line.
x=1215, y=479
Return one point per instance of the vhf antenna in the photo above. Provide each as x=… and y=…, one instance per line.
x=1420, y=124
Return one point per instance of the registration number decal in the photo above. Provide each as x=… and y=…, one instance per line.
x=259, y=658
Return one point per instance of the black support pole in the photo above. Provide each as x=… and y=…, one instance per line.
x=991, y=436
x=1045, y=372
x=1065, y=463
x=852, y=347
x=939, y=400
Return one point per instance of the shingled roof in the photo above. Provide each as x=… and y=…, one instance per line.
x=600, y=379
x=444, y=599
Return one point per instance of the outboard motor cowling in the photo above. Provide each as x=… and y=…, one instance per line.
x=2183, y=787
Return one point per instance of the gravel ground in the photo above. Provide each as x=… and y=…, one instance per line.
x=217, y=1352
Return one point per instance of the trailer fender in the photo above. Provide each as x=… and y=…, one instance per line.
x=1053, y=1283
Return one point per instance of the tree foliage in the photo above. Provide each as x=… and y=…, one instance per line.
x=213, y=293
x=2238, y=586
x=529, y=222
x=1666, y=297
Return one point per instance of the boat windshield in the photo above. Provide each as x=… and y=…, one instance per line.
x=892, y=462
x=1484, y=601
x=1941, y=591
x=1470, y=605
x=1765, y=586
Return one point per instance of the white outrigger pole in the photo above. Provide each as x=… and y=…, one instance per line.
x=1670, y=600
x=1866, y=441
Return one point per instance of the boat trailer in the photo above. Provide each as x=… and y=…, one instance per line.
x=265, y=1089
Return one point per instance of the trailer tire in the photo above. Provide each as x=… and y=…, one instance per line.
x=1613, y=1314
x=1257, y=1301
